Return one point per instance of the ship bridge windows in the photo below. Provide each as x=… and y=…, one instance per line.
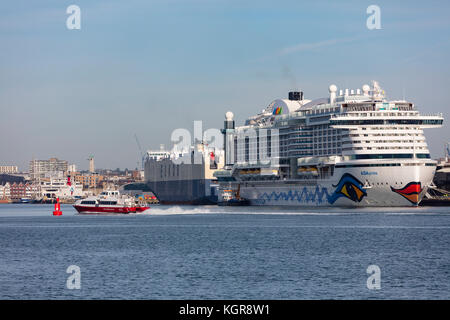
x=108, y=203
x=381, y=156
x=88, y=202
x=368, y=165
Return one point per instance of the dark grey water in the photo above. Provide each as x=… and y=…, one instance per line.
x=225, y=253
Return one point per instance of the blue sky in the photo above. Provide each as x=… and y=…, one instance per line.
x=149, y=67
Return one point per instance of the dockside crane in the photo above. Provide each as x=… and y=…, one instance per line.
x=140, y=151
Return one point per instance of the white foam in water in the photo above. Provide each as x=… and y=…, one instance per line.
x=177, y=209
x=168, y=210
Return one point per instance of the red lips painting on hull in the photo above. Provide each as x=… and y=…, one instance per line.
x=410, y=192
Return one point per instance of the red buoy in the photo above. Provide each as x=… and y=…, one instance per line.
x=57, y=211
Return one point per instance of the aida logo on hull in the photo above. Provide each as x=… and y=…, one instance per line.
x=369, y=173
x=277, y=110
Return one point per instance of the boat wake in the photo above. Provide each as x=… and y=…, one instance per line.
x=213, y=210
x=172, y=210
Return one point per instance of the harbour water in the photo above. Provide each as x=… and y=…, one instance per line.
x=183, y=252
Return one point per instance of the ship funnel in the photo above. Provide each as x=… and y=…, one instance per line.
x=296, y=95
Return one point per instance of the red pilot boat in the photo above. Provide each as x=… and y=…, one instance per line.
x=109, y=202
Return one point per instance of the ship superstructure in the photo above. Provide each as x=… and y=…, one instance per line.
x=352, y=148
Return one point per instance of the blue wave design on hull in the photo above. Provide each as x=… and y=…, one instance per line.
x=319, y=196
x=348, y=187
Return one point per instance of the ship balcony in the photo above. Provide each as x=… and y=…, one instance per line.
x=346, y=121
x=385, y=144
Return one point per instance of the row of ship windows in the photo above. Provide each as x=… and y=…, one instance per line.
x=315, y=133
x=325, y=145
x=326, y=131
x=398, y=135
x=390, y=156
x=327, y=152
x=382, y=165
x=384, y=148
x=311, y=147
x=372, y=135
x=293, y=141
x=383, y=141
x=387, y=122
x=387, y=128
x=363, y=157
x=324, y=126
x=109, y=203
x=309, y=128
x=387, y=135
x=316, y=152
x=324, y=110
x=335, y=146
x=384, y=114
x=329, y=139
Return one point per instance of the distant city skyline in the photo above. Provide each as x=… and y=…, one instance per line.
x=146, y=68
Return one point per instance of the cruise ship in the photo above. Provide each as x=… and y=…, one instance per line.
x=352, y=148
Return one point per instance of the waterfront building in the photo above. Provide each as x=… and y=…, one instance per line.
x=5, y=191
x=11, y=178
x=9, y=169
x=20, y=190
x=46, y=168
x=137, y=175
x=91, y=180
x=72, y=168
x=91, y=164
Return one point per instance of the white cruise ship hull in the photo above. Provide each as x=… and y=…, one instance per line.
x=349, y=187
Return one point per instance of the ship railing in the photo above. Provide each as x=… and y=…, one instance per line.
x=415, y=115
x=290, y=180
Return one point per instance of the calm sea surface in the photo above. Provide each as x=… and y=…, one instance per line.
x=183, y=252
